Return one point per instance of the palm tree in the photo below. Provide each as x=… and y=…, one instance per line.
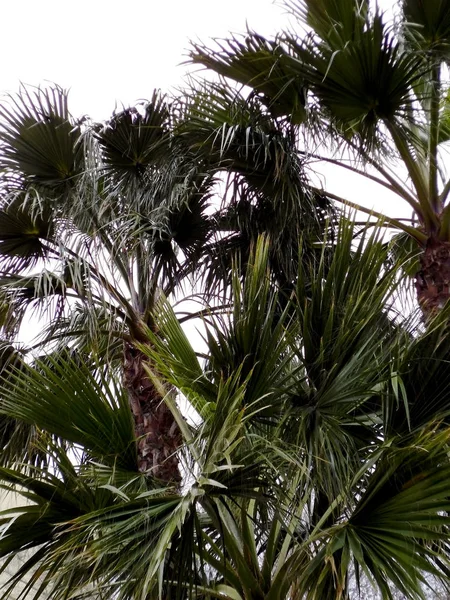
x=377, y=92
x=266, y=189
x=313, y=462
x=87, y=240
x=97, y=220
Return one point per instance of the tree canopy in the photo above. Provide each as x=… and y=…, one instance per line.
x=298, y=446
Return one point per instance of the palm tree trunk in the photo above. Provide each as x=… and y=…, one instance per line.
x=158, y=436
x=433, y=279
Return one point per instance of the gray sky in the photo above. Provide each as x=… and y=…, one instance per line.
x=109, y=50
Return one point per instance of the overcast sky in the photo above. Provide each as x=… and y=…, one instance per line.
x=108, y=51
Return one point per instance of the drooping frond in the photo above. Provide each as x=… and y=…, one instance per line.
x=79, y=402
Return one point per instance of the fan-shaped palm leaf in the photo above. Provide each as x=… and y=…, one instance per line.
x=39, y=140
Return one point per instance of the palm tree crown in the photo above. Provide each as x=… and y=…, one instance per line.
x=374, y=89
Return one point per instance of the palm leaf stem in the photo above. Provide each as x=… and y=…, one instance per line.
x=205, y=312
x=397, y=224
x=225, y=523
x=283, y=578
x=100, y=302
x=422, y=207
x=219, y=562
x=102, y=280
x=391, y=185
x=121, y=267
x=445, y=221
x=444, y=194
x=143, y=292
x=221, y=591
x=397, y=186
x=433, y=139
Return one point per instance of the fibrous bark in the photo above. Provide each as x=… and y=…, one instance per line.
x=433, y=279
x=158, y=436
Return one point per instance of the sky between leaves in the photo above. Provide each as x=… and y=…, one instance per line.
x=109, y=51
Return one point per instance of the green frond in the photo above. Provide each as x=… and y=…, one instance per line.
x=343, y=353
x=135, y=139
x=402, y=514
x=86, y=330
x=141, y=525
x=18, y=440
x=420, y=363
x=35, y=296
x=250, y=347
x=363, y=83
x=309, y=424
x=427, y=26
x=237, y=134
x=265, y=66
x=356, y=70
x=405, y=251
x=40, y=142
x=337, y=21
x=266, y=189
x=395, y=531
x=42, y=524
x=76, y=401
x=24, y=235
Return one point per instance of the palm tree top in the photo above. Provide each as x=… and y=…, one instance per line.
x=371, y=87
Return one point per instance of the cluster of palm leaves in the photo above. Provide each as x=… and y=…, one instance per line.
x=297, y=446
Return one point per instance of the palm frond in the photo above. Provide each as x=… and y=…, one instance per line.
x=39, y=139
x=135, y=139
x=266, y=66
x=332, y=20
x=24, y=234
x=75, y=401
x=420, y=366
x=427, y=26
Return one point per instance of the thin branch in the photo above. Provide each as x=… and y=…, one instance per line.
x=114, y=255
x=202, y=313
x=412, y=231
x=428, y=216
x=398, y=188
x=103, y=281
x=392, y=186
x=73, y=333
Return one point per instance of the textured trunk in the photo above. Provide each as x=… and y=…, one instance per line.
x=433, y=279
x=157, y=433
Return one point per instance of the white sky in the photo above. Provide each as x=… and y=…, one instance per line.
x=107, y=51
